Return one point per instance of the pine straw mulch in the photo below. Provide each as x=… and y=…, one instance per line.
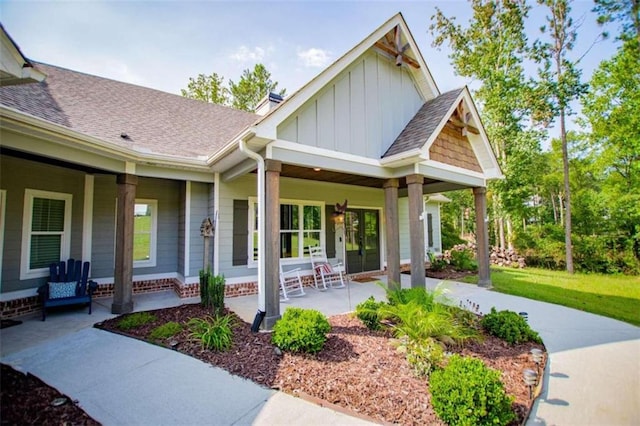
x=358, y=369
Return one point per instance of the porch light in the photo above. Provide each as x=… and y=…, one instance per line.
x=338, y=218
x=316, y=169
x=530, y=379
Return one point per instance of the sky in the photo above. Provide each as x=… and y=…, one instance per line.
x=161, y=44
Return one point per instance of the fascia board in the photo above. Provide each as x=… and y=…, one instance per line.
x=403, y=158
x=450, y=173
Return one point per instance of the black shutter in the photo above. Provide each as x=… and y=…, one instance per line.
x=240, y=232
x=330, y=232
x=430, y=229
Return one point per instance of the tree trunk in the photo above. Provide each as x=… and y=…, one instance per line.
x=509, y=234
x=567, y=194
x=561, y=208
x=501, y=233
x=555, y=211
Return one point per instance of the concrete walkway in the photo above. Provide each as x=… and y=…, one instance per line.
x=592, y=377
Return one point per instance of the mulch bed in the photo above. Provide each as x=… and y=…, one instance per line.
x=358, y=369
x=27, y=400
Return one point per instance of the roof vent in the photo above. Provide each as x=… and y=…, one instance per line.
x=268, y=103
x=125, y=136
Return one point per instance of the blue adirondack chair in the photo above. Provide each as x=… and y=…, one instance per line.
x=68, y=284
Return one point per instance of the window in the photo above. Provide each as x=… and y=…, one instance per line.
x=145, y=225
x=46, y=231
x=300, y=227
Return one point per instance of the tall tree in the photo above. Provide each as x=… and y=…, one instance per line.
x=208, y=88
x=252, y=87
x=491, y=50
x=558, y=86
x=626, y=12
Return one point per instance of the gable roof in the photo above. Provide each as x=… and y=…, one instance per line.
x=266, y=126
x=153, y=121
x=418, y=131
x=15, y=68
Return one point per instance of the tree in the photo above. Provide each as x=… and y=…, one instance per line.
x=558, y=86
x=208, y=88
x=491, y=49
x=252, y=87
x=626, y=12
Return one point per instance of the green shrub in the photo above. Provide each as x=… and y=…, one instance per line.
x=301, y=330
x=213, y=332
x=136, y=319
x=418, y=295
x=464, y=260
x=212, y=291
x=424, y=357
x=165, y=331
x=466, y=392
x=437, y=263
x=367, y=312
x=509, y=326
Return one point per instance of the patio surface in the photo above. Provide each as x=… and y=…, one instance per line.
x=592, y=377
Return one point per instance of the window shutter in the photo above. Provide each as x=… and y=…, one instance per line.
x=330, y=232
x=430, y=229
x=240, y=232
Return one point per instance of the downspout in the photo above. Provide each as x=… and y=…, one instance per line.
x=261, y=222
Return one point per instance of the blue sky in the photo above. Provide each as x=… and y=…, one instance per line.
x=160, y=44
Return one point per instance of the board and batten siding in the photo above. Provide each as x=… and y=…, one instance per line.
x=17, y=175
x=298, y=190
x=360, y=112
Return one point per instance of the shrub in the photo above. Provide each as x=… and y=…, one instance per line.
x=367, y=312
x=466, y=392
x=509, y=326
x=165, y=331
x=213, y=332
x=424, y=357
x=212, y=291
x=301, y=330
x=437, y=263
x=136, y=319
x=464, y=260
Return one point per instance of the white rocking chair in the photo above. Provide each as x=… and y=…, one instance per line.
x=325, y=275
x=290, y=284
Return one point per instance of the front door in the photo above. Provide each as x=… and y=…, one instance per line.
x=362, y=241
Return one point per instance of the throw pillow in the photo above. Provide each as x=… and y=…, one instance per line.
x=60, y=290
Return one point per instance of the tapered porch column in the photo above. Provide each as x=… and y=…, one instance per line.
x=272, y=242
x=123, y=273
x=482, y=236
x=416, y=229
x=392, y=232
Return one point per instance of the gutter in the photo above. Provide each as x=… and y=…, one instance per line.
x=242, y=145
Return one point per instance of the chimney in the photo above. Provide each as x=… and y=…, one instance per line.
x=268, y=103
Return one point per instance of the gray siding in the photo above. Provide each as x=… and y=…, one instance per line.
x=16, y=175
x=290, y=189
x=168, y=195
x=199, y=211
x=360, y=112
x=181, y=228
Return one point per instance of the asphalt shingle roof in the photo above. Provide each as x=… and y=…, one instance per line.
x=423, y=124
x=154, y=121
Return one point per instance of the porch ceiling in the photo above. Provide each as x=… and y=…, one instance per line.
x=298, y=172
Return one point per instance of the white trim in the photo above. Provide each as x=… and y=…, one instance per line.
x=187, y=227
x=18, y=294
x=87, y=218
x=27, y=216
x=3, y=210
x=216, y=235
x=153, y=243
x=450, y=168
x=321, y=152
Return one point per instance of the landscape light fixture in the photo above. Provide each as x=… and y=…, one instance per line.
x=537, y=356
x=530, y=379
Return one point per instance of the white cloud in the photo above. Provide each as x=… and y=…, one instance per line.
x=314, y=57
x=245, y=54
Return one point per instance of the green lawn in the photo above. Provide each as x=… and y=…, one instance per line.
x=614, y=296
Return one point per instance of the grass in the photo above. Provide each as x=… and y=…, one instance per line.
x=613, y=296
